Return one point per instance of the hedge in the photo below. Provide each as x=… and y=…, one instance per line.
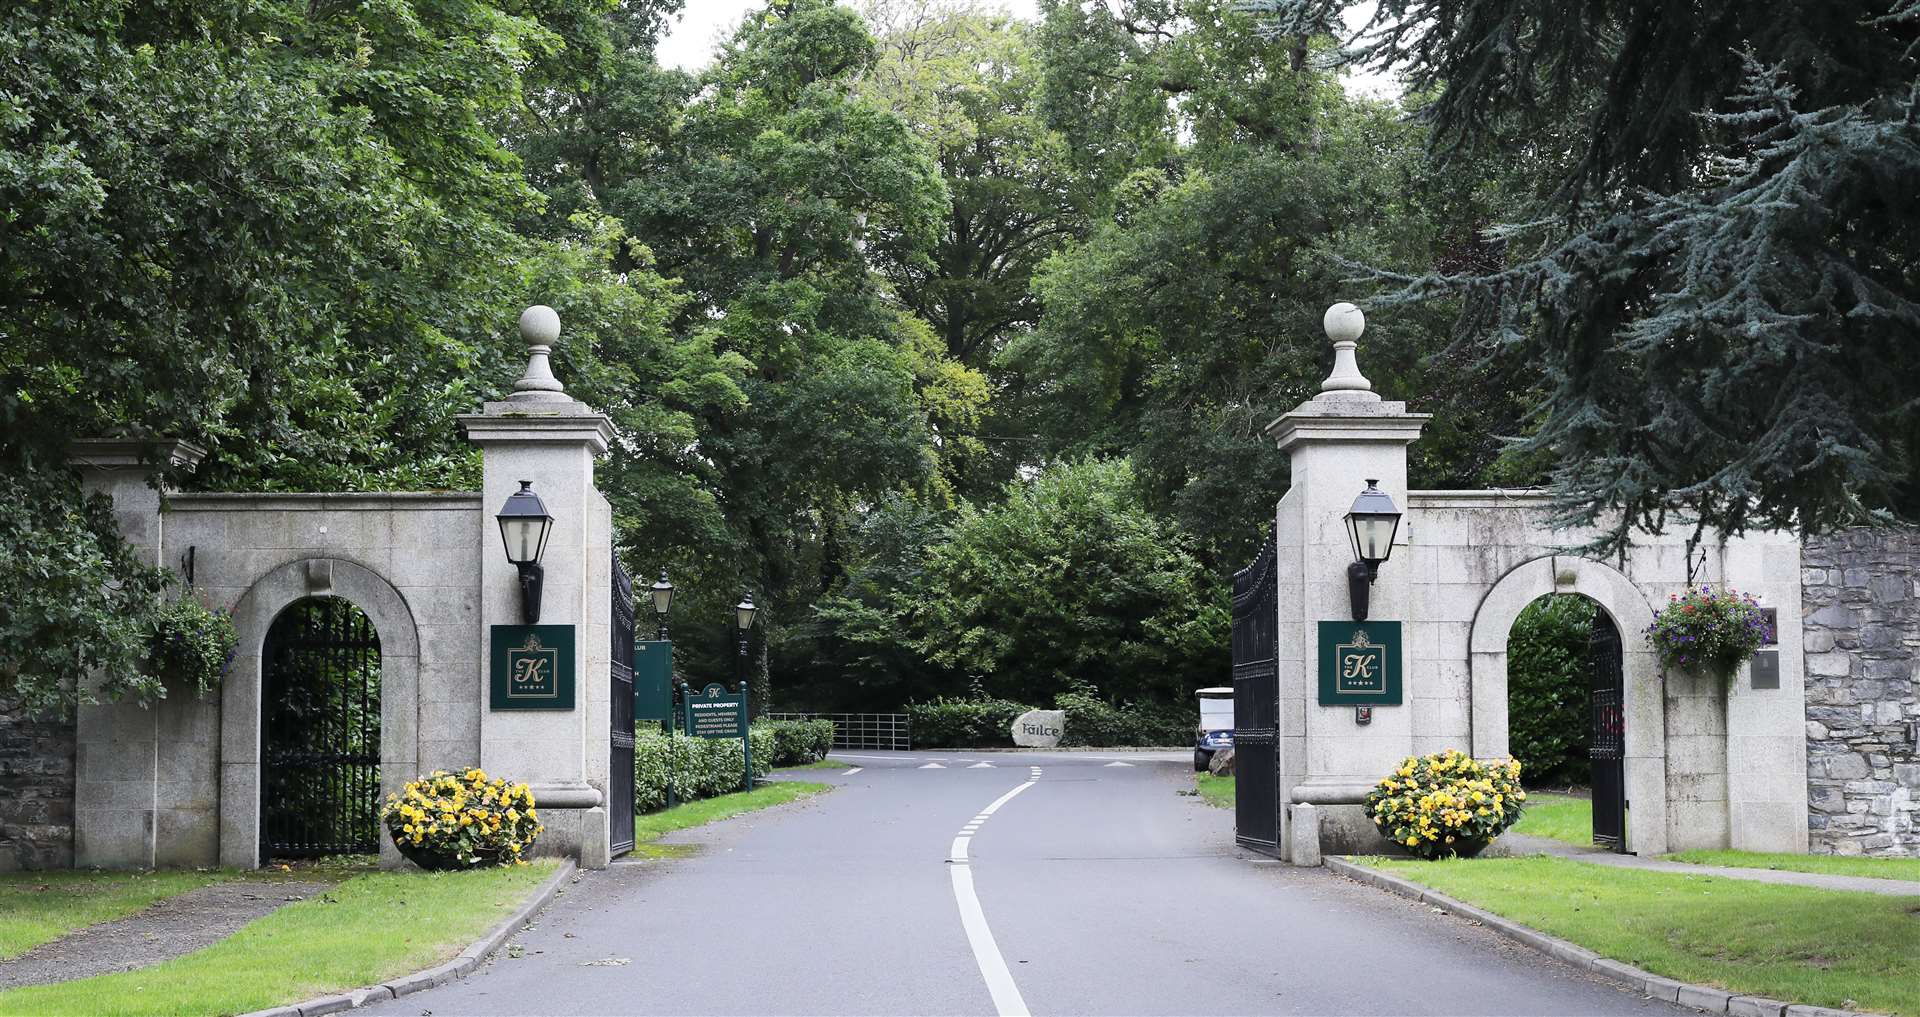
x=799, y=742
x=963, y=723
x=706, y=767
x=696, y=767
x=981, y=722
x=1549, y=693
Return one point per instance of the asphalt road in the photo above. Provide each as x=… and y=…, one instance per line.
x=1100, y=889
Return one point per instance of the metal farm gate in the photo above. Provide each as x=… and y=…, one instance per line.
x=620, y=733
x=1609, y=750
x=320, y=732
x=1256, y=703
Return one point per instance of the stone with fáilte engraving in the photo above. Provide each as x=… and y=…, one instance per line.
x=1039, y=729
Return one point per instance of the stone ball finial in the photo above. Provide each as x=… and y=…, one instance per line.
x=540, y=325
x=1343, y=322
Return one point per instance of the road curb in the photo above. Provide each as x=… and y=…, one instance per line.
x=1700, y=997
x=440, y=974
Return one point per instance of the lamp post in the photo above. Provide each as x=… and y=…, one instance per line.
x=1371, y=525
x=743, y=613
x=524, y=528
x=662, y=592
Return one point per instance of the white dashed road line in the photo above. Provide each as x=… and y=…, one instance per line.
x=853, y=771
x=986, y=953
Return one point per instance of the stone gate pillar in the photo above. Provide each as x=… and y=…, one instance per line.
x=1336, y=442
x=541, y=435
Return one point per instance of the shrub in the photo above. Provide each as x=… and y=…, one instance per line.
x=1447, y=804
x=1708, y=632
x=1092, y=721
x=964, y=723
x=799, y=742
x=191, y=646
x=462, y=821
x=694, y=768
x=1549, y=693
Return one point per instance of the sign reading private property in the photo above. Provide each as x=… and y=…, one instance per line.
x=1360, y=663
x=713, y=712
x=531, y=667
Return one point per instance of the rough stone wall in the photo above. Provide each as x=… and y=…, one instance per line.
x=36, y=790
x=1860, y=597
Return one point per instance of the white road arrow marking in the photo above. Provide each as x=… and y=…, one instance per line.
x=981, y=766
x=1119, y=763
x=933, y=766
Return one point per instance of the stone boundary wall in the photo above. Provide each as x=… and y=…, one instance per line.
x=36, y=790
x=1860, y=596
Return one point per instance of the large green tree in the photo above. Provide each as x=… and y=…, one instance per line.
x=276, y=230
x=1720, y=275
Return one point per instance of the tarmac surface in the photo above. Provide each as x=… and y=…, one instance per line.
x=1096, y=887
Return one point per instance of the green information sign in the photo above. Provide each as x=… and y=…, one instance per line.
x=652, y=681
x=532, y=667
x=1360, y=663
x=713, y=712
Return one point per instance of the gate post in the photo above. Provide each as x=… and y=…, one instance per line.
x=542, y=435
x=1336, y=443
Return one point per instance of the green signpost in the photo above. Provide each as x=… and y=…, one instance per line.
x=713, y=712
x=531, y=667
x=1360, y=663
x=653, y=681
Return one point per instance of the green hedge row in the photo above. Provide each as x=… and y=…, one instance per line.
x=799, y=742
x=1091, y=721
x=697, y=768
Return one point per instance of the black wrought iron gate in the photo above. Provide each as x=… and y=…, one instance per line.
x=620, y=735
x=1256, y=703
x=1609, y=751
x=320, y=732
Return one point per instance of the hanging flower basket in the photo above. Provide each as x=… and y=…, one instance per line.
x=1708, y=632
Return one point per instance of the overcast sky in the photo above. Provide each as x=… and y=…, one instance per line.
x=691, y=43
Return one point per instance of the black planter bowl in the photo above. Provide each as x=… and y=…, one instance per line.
x=435, y=859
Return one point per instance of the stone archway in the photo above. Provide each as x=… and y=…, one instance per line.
x=1621, y=600
x=240, y=699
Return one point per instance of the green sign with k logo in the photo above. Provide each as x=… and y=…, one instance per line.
x=1360, y=663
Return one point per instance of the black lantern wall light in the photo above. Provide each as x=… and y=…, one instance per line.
x=1372, y=524
x=524, y=527
x=662, y=593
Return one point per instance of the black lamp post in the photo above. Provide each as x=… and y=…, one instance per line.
x=524, y=528
x=662, y=592
x=743, y=622
x=1371, y=525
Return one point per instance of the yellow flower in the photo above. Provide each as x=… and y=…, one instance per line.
x=1411, y=842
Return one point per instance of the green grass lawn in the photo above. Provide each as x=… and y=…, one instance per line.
x=1824, y=947
x=368, y=929
x=1218, y=791
x=1561, y=817
x=38, y=907
x=1832, y=865
x=655, y=825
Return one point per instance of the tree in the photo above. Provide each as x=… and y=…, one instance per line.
x=1071, y=579
x=759, y=188
x=1190, y=319
x=270, y=229
x=1720, y=276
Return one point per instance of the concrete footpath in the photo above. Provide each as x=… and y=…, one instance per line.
x=1523, y=845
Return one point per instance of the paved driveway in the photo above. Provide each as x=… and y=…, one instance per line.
x=1050, y=883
